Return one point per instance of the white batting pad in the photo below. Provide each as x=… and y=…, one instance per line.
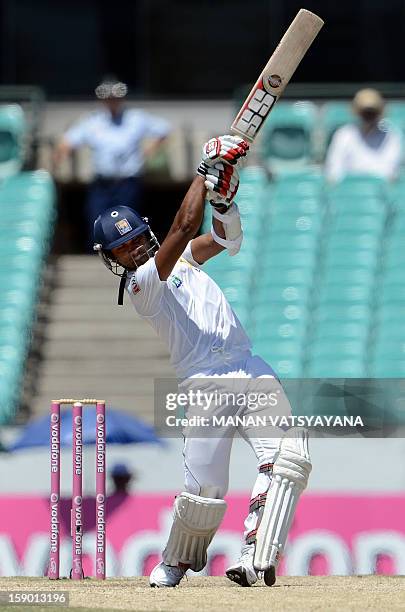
x=195, y=521
x=290, y=477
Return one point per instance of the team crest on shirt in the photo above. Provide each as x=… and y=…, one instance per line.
x=176, y=280
x=123, y=226
x=133, y=286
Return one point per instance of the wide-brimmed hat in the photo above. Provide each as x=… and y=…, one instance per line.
x=368, y=99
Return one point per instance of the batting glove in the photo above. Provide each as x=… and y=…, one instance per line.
x=229, y=149
x=221, y=181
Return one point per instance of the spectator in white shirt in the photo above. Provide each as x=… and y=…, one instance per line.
x=115, y=135
x=368, y=146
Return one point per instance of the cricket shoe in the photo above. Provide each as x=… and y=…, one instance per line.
x=166, y=575
x=269, y=576
x=243, y=572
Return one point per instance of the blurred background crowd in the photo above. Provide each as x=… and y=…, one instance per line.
x=103, y=104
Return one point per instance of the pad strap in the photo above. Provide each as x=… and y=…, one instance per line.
x=231, y=245
x=227, y=217
x=266, y=468
x=232, y=227
x=251, y=537
x=257, y=502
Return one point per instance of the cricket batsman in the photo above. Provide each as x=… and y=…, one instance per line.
x=206, y=341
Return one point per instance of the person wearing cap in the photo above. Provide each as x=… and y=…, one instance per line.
x=115, y=135
x=368, y=146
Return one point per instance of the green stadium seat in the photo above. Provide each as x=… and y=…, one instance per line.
x=391, y=294
x=394, y=240
x=279, y=312
x=286, y=138
x=10, y=335
x=349, y=275
x=393, y=265
x=334, y=116
x=353, y=294
x=392, y=258
x=390, y=348
x=390, y=297
x=266, y=326
x=395, y=113
x=388, y=326
x=280, y=348
x=364, y=258
x=304, y=224
x=27, y=203
x=390, y=315
x=12, y=128
x=360, y=224
x=278, y=322
x=348, y=242
x=348, y=209
x=272, y=274
x=397, y=194
x=285, y=204
x=388, y=369
x=388, y=336
x=16, y=262
x=359, y=185
x=398, y=226
x=252, y=209
x=289, y=259
x=296, y=240
x=243, y=263
x=253, y=174
x=282, y=294
x=344, y=311
x=341, y=329
x=337, y=348
x=230, y=277
x=304, y=184
x=391, y=283
x=284, y=368
x=336, y=368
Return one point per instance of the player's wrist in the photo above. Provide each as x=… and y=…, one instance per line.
x=221, y=206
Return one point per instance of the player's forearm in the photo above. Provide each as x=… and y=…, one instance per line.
x=190, y=214
x=204, y=247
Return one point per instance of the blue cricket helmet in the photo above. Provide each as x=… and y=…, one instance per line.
x=117, y=225
x=114, y=227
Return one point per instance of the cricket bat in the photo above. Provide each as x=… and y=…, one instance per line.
x=276, y=74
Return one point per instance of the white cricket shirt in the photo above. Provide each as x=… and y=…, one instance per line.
x=190, y=313
x=352, y=152
x=117, y=146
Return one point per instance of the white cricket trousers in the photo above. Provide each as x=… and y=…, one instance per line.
x=206, y=459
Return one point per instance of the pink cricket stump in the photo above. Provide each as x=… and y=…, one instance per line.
x=77, y=493
x=53, y=569
x=100, y=490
